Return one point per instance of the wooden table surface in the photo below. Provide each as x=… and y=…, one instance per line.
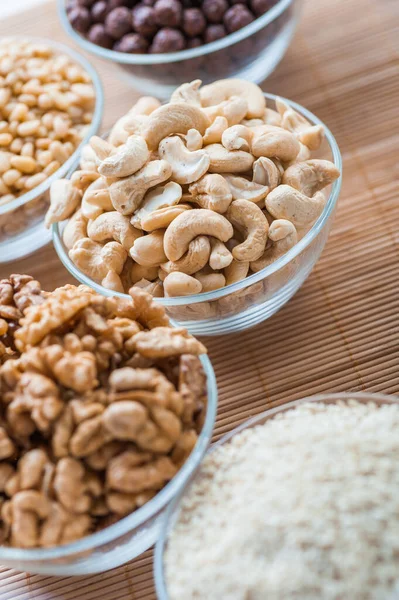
x=340, y=332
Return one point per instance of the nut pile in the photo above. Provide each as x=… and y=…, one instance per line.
x=101, y=402
x=158, y=26
x=46, y=102
x=301, y=507
x=193, y=195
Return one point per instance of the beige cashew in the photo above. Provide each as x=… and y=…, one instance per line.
x=101, y=148
x=162, y=196
x=134, y=124
x=96, y=199
x=95, y=260
x=195, y=258
x=194, y=140
x=310, y=176
x=75, y=229
x=127, y=194
x=242, y=189
x=283, y=235
x=272, y=117
x=213, y=133
x=211, y=191
x=191, y=224
x=285, y=202
x=236, y=271
x=252, y=122
x=82, y=179
x=237, y=137
x=187, y=166
x=274, y=142
x=155, y=288
x=118, y=134
x=310, y=135
x=220, y=256
x=266, y=173
x=224, y=161
x=148, y=250
x=127, y=159
x=210, y=281
x=226, y=88
x=113, y=282
x=233, y=110
x=249, y=220
x=139, y=272
x=88, y=159
x=113, y=226
x=145, y=106
x=161, y=218
x=64, y=199
x=180, y=284
x=173, y=118
x=187, y=93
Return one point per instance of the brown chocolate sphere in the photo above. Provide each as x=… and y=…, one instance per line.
x=144, y=20
x=214, y=10
x=237, y=17
x=168, y=40
x=214, y=32
x=168, y=13
x=194, y=22
x=97, y=35
x=132, y=43
x=80, y=19
x=118, y=22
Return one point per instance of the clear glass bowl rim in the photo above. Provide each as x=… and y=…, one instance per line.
x=151, y=508
x=333, y=398
x=255, y=277
x=93, y=127
x=156, y=59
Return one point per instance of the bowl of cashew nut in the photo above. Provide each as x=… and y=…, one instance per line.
x=219, y=203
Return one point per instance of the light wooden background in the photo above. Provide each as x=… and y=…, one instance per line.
x=341, y=331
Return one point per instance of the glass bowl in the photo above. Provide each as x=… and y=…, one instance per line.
x=172, y=514
x=22, y=229
x=245, y=304
x=129, y=537
x=251, y=53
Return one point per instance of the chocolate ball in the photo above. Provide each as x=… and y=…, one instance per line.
x=148, y=2
x=132, y=43
x=99, y=11
x=259, y=7
x=213, y=33
x=97, y=35
x=214, y=10
x=167, y=40
x=85, y=3
x=70, y=4
x=168, y=13
x=194, y=42
x=237, y=17
x=144, y=20
x=80, y=19
x=115, y=3
x=232, y=2
x=194, y=22
x=118, y=22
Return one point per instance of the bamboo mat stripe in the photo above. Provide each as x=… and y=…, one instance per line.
x=340, y=332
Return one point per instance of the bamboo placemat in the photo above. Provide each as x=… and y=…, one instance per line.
x=340, y=332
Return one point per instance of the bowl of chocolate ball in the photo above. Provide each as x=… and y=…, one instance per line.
x=160, y=44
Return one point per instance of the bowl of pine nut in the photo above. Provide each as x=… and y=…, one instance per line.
x=51, y=103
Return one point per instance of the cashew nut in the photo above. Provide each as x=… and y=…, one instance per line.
x=96, y=199
x=193, y=140
x=211, y=191
x=161, y=218
x=191, y=224
x=180, y=284
x=101, y=148
x=187, y=93
x=148, y=250
x=220, y=256
x=310, y=135
x=82, y=179
x=242, y=189
x=64, y=199
x=285, y=202
x=233, y=110
x=173, y=118
x=195, y=258
x=160, y=197
x=283, y=235
x=145, y=106
x=224, y=161
x=95, y=260
x=274, y=142
x=128, y=193
x=249, y=220
x=88, y=159
x=127, y=159
x=113, y=226
x=113, y=282
x=237, y=137
x=75, y=229
x=210, y=281
x=213, y=134
x=236, y=271
x=311, y=176
x=226, y=88
x=187, y=166
x=266, y=173
x=155, y=288
x=139, y=272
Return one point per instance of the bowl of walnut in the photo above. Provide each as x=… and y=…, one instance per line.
x=217, y=203
x=160, y=44
x=105, y=412
x=51, y=103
